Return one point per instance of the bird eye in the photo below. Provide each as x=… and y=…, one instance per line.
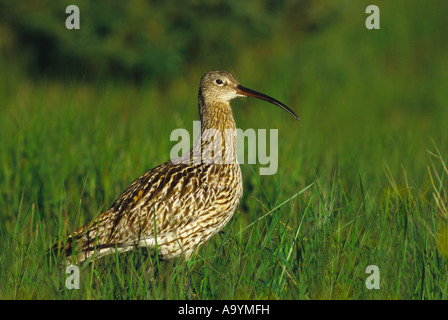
x=218, y=82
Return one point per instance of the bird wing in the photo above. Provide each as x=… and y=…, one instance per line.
x=161, y=201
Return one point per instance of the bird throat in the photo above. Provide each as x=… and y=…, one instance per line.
x=217, y=142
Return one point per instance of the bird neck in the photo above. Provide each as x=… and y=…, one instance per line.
x=217, y=142
x=216, y=115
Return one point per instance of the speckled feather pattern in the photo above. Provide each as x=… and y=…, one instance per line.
x=177, y=205
x=183, y=205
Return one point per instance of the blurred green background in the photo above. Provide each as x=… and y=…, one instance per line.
x=84, y=112
x=156, y=40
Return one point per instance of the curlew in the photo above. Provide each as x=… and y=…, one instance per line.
x=177, y=206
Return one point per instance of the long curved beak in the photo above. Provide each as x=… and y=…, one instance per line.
x=252, y=93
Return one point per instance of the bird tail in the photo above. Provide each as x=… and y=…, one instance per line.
x=63, y=250
x=93, y=240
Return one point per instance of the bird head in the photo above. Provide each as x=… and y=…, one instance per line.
x=221, y=86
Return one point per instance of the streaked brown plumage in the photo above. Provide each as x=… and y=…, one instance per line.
x=181, y=203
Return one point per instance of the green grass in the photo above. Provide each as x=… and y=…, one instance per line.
x=362, y=178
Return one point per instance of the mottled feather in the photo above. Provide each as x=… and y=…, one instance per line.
x=181, y=203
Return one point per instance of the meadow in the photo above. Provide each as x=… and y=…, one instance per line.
x=362, y=178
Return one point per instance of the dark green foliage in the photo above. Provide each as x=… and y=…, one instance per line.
x=141, y=39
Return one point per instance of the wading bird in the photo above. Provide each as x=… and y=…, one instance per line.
x=177, y=206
